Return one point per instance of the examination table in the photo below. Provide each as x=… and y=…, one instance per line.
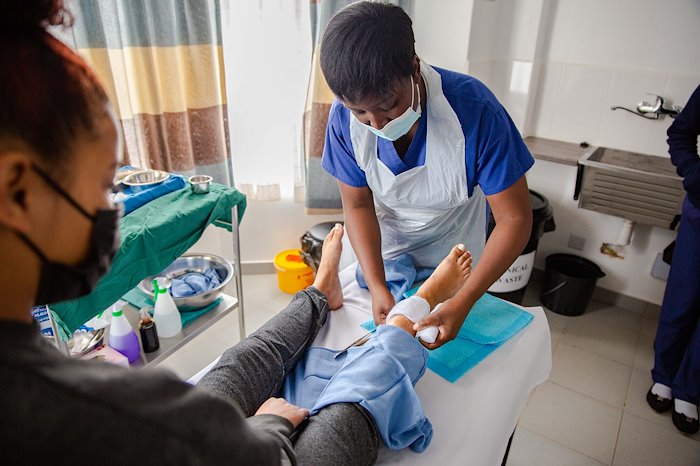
x=473, y=418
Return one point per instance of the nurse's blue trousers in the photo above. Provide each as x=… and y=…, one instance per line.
x=677, y=344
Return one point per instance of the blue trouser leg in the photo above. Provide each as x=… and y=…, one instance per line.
x=677, y=344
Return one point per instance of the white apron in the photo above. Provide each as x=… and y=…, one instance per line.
x=426, y=210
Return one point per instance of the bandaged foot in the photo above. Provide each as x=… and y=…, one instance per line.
x=449, y=276
x=412, y=309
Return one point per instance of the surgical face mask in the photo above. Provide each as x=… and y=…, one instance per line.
x=401, y=125
x=61, y=282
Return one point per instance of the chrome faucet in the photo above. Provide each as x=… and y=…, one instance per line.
x=652, y=111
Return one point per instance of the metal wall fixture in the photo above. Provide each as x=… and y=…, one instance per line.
x=652, y=111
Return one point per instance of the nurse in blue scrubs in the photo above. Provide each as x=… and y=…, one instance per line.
x=676, y=372
x=420, y=154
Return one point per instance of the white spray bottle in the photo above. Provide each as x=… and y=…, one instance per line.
x=165, y=313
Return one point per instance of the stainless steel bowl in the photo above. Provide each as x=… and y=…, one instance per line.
x=193, y=262
x=145, y=178
x=200, y=183
x=123, y=173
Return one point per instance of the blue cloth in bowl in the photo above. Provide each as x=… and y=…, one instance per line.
x=195, y=283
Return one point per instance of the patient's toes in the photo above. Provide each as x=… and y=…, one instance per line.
x=457, y=251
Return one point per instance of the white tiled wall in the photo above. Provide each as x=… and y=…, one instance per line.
x=600, y=53
x=444, y=46
x=579, y=104
x=574, y=100
x=621, y=129
x=645, y=35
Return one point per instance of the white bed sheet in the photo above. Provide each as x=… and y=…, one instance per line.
x=472, y=418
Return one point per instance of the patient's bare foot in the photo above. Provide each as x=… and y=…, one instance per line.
x=327, y=281
x=449, y=276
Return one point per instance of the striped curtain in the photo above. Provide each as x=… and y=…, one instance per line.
x=161, y=63
x=322, y=193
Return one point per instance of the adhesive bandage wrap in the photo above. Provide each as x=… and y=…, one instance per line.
x=415, y=309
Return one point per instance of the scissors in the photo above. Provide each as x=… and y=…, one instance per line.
x=359, y=342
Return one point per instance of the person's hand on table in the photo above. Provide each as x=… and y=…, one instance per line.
x=448, y=318
x=382, y=302
x=280, y=407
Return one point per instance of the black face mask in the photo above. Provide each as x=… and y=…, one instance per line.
x=61, y=282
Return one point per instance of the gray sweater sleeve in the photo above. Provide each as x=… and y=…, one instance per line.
x=281, y=428
x=136, y=417
x=211, y=426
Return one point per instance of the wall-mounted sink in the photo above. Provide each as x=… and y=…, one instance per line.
x=638, y=187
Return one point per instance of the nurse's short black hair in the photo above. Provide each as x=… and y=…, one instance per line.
x=366, y=47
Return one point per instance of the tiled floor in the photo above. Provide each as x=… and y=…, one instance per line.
x=591, y=411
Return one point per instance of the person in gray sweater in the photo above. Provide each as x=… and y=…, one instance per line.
x=59, y=147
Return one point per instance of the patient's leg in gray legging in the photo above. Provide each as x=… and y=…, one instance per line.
x=253, y=370
x=342, y=434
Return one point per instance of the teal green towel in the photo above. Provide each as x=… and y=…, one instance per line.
x=490, y=323
x=152, y=237
x=139, y=300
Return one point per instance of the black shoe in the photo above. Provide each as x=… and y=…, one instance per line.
x=658, y=403
x=685, y=424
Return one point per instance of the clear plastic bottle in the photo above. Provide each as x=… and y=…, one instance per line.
x=165, y=312
x=122, y=337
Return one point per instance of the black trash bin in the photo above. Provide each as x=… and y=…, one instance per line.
x=513, y=284
x=312, y=243
x=569, y=282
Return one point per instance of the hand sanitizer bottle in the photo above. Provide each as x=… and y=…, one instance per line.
x=165, y=313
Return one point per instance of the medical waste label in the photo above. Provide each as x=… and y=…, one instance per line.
x=517, y=275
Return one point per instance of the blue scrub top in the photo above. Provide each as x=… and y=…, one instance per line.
x=496, y=156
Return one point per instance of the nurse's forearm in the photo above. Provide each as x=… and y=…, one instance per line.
x=365, y=237
x=507, y=241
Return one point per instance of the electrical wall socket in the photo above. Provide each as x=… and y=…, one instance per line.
x=577, y=242
x=660, y=269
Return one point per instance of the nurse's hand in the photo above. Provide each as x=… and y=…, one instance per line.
x=280, y=407
x=382, y=302
x=448, y=318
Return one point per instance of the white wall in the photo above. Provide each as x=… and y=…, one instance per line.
x=586, y=57
x=504, y=49
x=267, y=228
x=600, y=54
x=441, y=29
